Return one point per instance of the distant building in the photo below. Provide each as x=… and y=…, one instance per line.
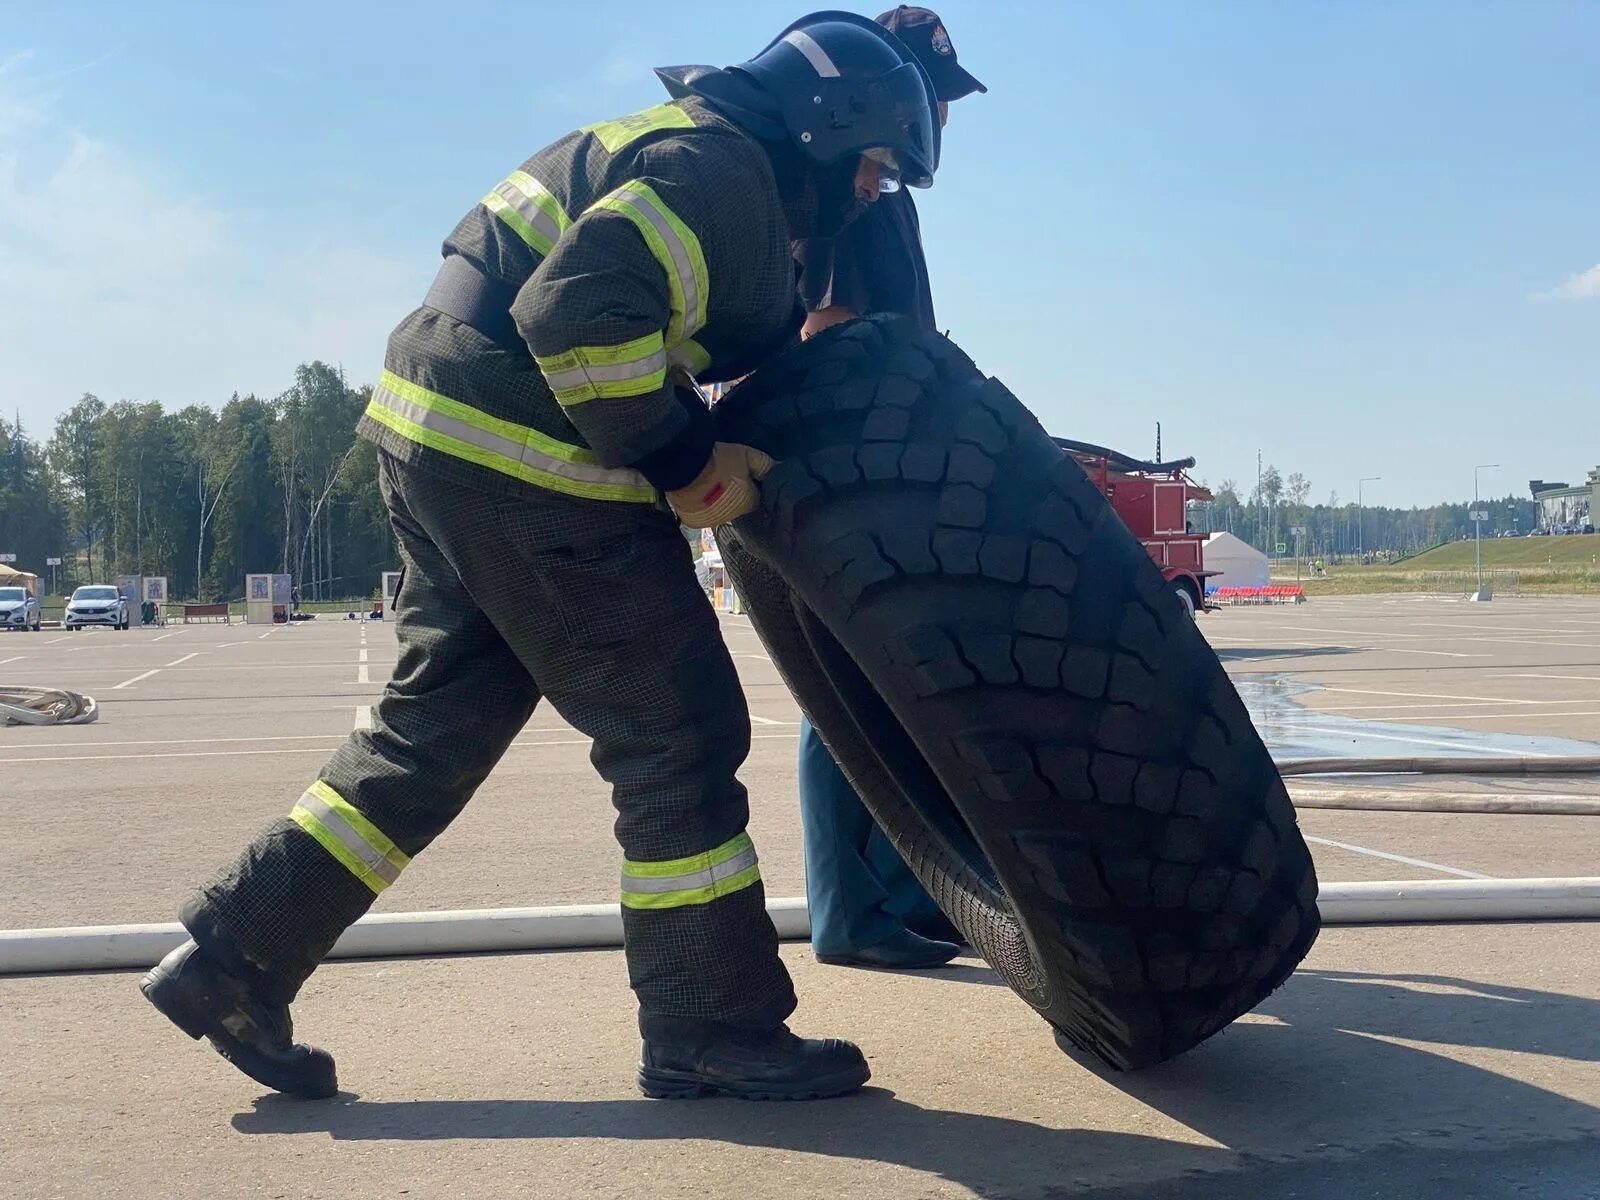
x=1564, y=508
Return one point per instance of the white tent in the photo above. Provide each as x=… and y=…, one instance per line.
x=1241, y=564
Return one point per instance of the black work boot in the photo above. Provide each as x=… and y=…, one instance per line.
x=199, y=997
x=771, y=1066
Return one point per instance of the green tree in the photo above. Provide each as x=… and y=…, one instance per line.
x=319, y=415
x=212, y=458
x=245, y=529
x=74, y=454
x=32, y=515
x=1271, y=491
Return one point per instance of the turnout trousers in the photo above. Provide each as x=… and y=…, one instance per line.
x=507, y=600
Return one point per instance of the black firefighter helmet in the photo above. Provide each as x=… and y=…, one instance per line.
x=847, y=86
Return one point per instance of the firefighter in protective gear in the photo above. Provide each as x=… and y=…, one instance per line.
x=530, y=416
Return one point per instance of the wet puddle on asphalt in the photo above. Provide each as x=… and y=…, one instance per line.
x=1293, y=731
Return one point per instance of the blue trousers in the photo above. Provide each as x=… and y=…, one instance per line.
x=859, y=889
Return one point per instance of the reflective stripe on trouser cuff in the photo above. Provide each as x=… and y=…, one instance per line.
x=347, y=835
x=530, y=209
x=583, y=373
x=675, y=247
x=698, y=879
x=462, y=431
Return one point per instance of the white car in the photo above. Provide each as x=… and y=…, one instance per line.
x=19, y=609
x=97, y=604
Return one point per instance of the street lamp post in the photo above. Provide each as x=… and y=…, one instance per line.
x=1477, y=526
x=1361, y=543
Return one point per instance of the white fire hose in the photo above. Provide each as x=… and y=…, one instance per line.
x=503, y=930
x=45, y=706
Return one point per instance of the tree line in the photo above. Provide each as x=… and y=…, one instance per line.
x=1267, y=515
x=203, y=495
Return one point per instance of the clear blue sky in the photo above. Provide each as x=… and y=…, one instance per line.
x=1360, y=237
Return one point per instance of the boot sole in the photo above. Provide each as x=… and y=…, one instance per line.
x=316, y=1081
x=659, y=1084
x=921, y=964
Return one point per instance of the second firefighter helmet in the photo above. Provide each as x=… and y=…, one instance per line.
x=847, y=86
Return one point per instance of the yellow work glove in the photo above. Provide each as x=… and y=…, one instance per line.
x=725, y=490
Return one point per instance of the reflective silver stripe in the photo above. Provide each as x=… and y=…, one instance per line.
x=682, y=263
x=815, y=54
x=522, y=193
x=616, y=373
x=504, y=446
x=658, y=884
x=335, y=824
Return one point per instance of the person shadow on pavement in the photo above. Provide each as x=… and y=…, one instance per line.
x=1332, y=1093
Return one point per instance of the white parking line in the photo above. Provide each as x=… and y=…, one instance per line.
x=134, y=680
x=80, y=758
x=1355, y=633
x=1530, y=642
x=267, y=634
x=230, y=741
x=1433, y=704
x=1351, y=708
x=1412, y=741
x=322, y=749
x=62, y=638
x=1428, y=695
x=1506, y=716
x=1399, y=858
x=363, y=657
x=1537, y=631
x=185, y=658
x=165, y=636
x=212, y=741
x=1430, y=653
x=363, y=716
x=1571, y=678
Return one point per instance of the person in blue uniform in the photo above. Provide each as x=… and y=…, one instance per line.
x=867, y=908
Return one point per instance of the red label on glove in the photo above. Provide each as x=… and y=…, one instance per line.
x=714, y=494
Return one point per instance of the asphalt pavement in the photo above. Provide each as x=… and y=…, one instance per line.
x=1411, y=1061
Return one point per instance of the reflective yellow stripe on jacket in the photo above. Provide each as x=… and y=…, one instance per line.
x=359, y=845
x=614, y=135
x=462, y=431
x=584, y=373
x=675, y=247
x=698, y=879
x=530, y=209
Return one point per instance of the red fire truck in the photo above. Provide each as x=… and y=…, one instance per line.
x=1152, y=498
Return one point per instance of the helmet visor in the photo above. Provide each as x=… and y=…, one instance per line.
x=907, y=142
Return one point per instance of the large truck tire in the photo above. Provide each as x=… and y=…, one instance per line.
x=1015, y=692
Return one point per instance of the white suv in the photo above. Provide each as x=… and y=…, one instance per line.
x=18, y=609
x=97, y=604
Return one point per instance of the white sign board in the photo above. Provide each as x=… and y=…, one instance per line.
x=1478, y=514
x=266, y=599
x=52, y=562
x=8, y=558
